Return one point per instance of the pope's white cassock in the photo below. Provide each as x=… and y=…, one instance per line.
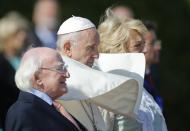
x=117, y=88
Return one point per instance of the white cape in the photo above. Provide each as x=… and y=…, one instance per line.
x=113, y=92
x=147, y=111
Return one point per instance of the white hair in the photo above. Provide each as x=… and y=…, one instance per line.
x=27, y=69
x=71, y=37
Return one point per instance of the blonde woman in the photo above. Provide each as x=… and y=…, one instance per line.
x=121, y=36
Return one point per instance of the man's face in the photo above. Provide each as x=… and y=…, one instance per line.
x=135, y=43
x=157, y=49
x=123, y=12
x=46, y=14
x=53, y=76
x=151, y=53
x=86, y=49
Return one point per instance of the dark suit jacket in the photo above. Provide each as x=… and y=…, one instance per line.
x=149, y=85
x=31, y=113
x=9, y=92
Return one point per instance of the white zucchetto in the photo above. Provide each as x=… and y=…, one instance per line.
x=75, y=24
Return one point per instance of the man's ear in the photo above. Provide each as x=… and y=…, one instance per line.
x=67, y=49
x=37, y=82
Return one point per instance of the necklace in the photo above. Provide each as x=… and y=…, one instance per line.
x=92, y=119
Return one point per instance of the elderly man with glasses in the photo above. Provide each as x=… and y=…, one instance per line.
x=41, y=80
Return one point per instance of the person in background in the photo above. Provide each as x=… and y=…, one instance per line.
x=152, y=58
x=121, y=11
x=13, y=28
x=45, y=20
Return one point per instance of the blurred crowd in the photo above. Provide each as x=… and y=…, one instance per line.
x=119, y=31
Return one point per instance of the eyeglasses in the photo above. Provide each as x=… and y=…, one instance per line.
x=62, y=68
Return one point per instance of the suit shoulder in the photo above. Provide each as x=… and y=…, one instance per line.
x=20, y=109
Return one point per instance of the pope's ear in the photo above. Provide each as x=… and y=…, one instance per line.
x=67, y=49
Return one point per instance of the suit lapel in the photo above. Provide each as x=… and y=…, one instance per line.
x=50, y=109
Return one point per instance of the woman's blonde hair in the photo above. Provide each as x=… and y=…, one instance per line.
x=115, y=32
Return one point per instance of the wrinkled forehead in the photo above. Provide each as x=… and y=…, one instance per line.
x=93, y=37
x=88, y=37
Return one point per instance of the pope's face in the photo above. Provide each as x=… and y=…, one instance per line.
x=85, y=50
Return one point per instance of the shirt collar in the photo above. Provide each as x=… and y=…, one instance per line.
x=41, y=95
